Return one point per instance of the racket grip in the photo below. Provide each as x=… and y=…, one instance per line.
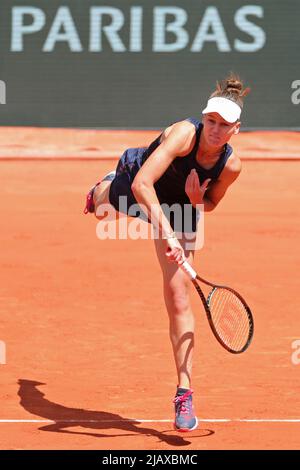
x=187, y=268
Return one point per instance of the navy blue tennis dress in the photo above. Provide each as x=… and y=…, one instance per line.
x=170, y=188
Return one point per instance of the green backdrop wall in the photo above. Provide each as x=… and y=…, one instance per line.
x=145, y=63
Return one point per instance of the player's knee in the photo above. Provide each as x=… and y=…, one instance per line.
x=178, y=299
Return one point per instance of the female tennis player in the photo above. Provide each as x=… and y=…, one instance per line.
x=189, y=164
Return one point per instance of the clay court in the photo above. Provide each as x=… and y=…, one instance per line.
x=88, y=359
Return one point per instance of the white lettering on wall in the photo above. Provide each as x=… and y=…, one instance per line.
x=19, y=29
x=63, y=20
x=161, y=27
x=211, y=21
x=136, y=30
x=252, y=29
x=296, y=94
x=108, y=29
x=111, y=31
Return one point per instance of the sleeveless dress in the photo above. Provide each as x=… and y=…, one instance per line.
x=170, y=187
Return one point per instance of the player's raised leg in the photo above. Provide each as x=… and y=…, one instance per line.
x=99, y=194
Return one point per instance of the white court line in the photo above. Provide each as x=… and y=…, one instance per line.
x=217, y=420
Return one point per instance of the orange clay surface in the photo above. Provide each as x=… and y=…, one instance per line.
x=43, y=143
x=85, y=326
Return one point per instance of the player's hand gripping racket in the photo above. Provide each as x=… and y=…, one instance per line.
x=228, y=315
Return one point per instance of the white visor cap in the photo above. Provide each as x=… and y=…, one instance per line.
x=229, y=110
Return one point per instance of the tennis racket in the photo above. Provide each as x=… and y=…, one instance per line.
x=229, y=316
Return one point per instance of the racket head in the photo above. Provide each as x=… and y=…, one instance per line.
x=230, y=319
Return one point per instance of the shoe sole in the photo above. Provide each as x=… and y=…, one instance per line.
x=186, y=429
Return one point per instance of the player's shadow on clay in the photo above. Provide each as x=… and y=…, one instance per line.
x=65, y=418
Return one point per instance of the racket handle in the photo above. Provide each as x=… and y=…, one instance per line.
x=187, y=268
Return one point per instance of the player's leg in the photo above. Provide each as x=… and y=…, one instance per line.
x=176, y=287
x=99, y=194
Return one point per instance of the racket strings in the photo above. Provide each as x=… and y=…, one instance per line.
x=230, y=318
